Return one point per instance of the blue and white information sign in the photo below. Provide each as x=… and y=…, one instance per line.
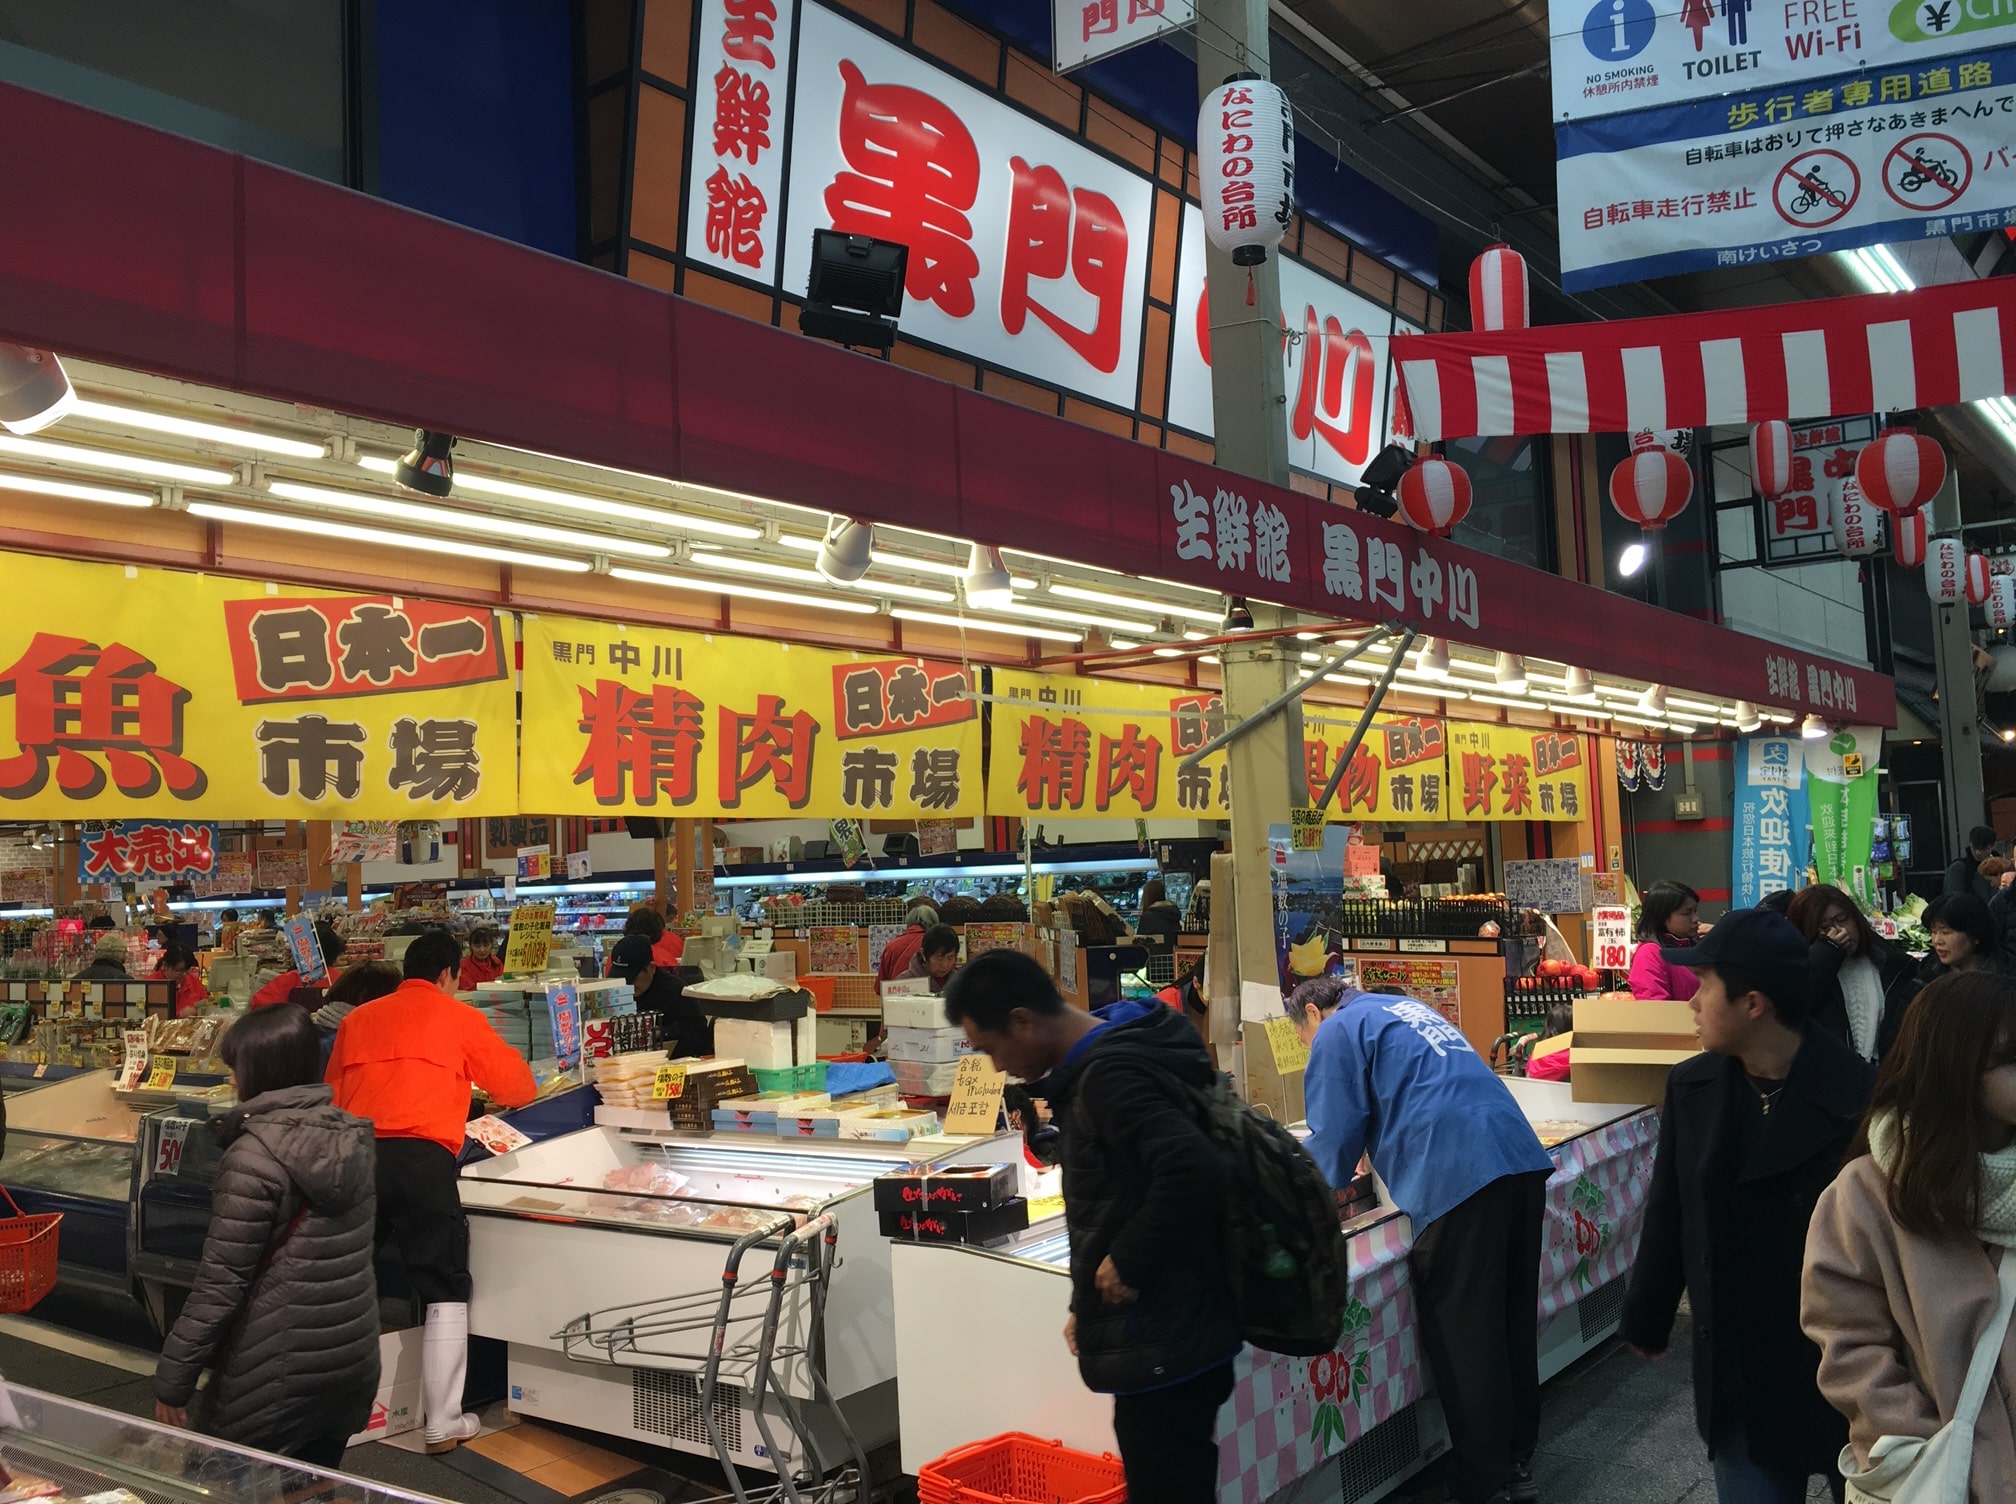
x=1773, y=825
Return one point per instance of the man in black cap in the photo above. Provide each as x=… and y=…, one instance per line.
x=1751, y=1132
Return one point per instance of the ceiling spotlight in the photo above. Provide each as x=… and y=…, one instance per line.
x=2009, y=733
x=1375, y=487
x=987, y=582
x=1812, y=728
x=1238, y=615
x=34, y=389
x=1631, y=560
x=1434, y=660
x=1581, y=685
x=1511, y=673
x=1653, y=700
x=844, y=555
x=855, y=291
x=1747, y=718
x=427, y=467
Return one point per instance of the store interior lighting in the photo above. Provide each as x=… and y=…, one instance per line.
x=737, y=591
x=1812, y=728
x=1747, y=718
x=64, y=490
x=1135, y=603
x=1433, y=660
x=1632, y=559
x=146, y=420
x=844, y=555
x=975, y=624
x=987, y=582
x=429, y=466
x=705, y=557
x=325, y=527
x=1238, y=615
x=1509, y=673
x=35, y=390
x=446, y=519
x=1579, y=687
x=476, y=483
x=1653, y=700
x=83, y=458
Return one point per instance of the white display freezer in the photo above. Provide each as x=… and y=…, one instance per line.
x=614, y=1217
x=1346, y=1427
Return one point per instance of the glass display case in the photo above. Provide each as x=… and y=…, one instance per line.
x=70, y=1150
x=88, y=1453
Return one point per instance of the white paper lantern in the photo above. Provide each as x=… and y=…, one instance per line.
x=2002, y=601
x=1858, y=527
x=1945, y=569
x=1977, y=579
x=1246, y=167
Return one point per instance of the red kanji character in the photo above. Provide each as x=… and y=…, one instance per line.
x=1043, y=234
x=152, y=851
x=1129, y=763
x=767, y=744
x=73, y=698
x=1102, y=18
x=1796, y=514
x=1315, y=766
x=1517, y=784
x=1841, y=462
x=1478, y=781
x=735, y=211
x=741, y=115
x=1054, y=757
x=1361, y=782
x=105, y=851
x=915, y=174
x=1141, y=10
x=747, y=29
x=654, y=737
x=1331, y=365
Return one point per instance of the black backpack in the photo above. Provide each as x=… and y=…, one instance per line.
x=1284, y=1247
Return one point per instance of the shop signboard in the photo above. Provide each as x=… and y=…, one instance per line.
x=735, y=179
x=168, y=850
x=352, y=841
x=1064, y=745
x=1610, y=56
x=1841, y=776
x=1084, y=30
x=1432, y=982
x=1789, y=170
x=1515, y=773
x=621, y=720
x=1400, y=772
x=1799, y=522
x=1773, y=826
x=140, y=692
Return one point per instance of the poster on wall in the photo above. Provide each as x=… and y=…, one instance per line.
x=167, y=694
x=1773, y=826
x=652, y=721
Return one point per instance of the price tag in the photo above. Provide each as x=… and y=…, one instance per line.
x=135, y=1064
x=1290, y=1053
x=162, y=1076
x=1611, y=939
x=977, y=1088
x=1306, y=828
x=668, y=1083
x=168, y=1156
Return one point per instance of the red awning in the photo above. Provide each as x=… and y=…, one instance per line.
x=148, y=250
x=1880, y=352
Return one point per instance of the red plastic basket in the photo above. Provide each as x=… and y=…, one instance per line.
x=27, y=1257
x=1018, y=1469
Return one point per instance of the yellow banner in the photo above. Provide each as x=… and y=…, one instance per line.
x=1067, y=745
x=642, y=720
x=1513, y=773
x=1399, y=774
x=145, y=692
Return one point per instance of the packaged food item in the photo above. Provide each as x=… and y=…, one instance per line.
x=995, y=1225
x=649, y=1178
x=952, y=1188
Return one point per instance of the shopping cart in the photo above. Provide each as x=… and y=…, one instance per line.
x=752, y=1333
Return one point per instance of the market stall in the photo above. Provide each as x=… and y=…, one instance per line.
x=1348, y=1425
x=70, y=1150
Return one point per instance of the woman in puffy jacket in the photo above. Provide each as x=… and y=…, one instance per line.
x=285, y=1308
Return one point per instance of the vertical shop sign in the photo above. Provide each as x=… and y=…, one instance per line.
x=563, y=1011
x=1841, y=775
x=1799, y=523
x=305, y=947
x=1084, y=30
x=1772, y=819
x=741, y=101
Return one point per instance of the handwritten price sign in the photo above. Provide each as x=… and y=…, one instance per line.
x=174, y=1137
x=1611, y=942
x=668, y=1083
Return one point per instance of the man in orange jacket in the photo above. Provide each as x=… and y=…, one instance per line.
x=406, y=1061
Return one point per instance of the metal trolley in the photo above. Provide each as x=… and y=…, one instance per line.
x=744, y=1331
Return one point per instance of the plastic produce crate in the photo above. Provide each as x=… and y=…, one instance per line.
x=811, y=1077
x=1019, y=1469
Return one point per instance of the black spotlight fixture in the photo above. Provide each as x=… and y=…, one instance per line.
x=428, y=466
x=1375, y=486
x=1238, y=615
x=855, y=292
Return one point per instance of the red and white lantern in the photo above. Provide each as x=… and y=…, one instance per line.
x=1908, y=532
x=1651, y=487
x=2002, y=601
x=1771, y=457
x=1977, y=579
x=1858, y=527
x=1900, y=470
x=1434, y=496
x=1498, y=298
x=1246, y=167
x=1946, y=569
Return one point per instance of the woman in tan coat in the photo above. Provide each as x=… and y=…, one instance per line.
x=1902, y=1256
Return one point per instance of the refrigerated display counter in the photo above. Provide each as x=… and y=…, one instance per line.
x=611, y=1217
x=18, y=1076
x=1352, y=1424
x=70, y=1150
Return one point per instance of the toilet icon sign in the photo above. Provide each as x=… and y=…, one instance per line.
x=1616, y=31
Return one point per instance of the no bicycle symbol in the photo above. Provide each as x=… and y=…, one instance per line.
x=1927, y=171
x=1816, y=188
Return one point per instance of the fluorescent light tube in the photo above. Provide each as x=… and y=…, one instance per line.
x=70, y=491
x=191, y=428
x=744, y=592
x=1135, y=603
x=449, y=520
x=975, y=624
x=325, y=527
x=105, y=459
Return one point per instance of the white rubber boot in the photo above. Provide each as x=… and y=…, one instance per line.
x=444, y=1367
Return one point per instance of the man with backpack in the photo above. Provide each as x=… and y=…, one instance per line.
x=1153, y=1321
x=1392, y=1077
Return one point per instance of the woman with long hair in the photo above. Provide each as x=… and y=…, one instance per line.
x=1858, y=983
x=1669, y=914
x=1903, y=1255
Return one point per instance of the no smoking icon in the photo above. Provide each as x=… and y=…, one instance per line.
x=1927, y=171
x=1815, y=188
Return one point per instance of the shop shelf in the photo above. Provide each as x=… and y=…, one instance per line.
x=790, y=1077
x=1018, y=1469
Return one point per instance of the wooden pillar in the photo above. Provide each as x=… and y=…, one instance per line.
x=661, y=874
x=66, y=889
x=321, y=876
x=684, y=834
x=355, y=886
x=291, y=839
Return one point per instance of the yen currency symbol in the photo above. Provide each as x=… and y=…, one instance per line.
x=1927, y=171
x=1815, y=188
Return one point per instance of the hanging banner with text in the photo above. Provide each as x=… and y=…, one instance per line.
x=1399, y=773
x=1841, y=786
x=145, y=692
x=1773, y=829
x=647, y=721
x=1775, y=173
x=181, y=850
x=1514, y=773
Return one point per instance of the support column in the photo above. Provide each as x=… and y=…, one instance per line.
x=684, y=833
x=1959, y=705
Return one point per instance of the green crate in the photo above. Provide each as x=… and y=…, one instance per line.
x=792, y=1078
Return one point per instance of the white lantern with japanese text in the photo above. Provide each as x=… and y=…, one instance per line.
x=1977, y=579
x=1946, y=569
x=1908, y=532
x=1498, y=297
x=1434, y=496
x=1858, y=527
x=1771, y=457
x=2002, y=601
x=1246, y=167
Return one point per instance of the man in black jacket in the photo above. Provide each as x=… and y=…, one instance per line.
x=1963, y=873
x=1151, y=1321
x=1751, y=1133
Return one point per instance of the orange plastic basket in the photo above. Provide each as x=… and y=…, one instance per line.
x=1018, y=1469
x=27, y=1257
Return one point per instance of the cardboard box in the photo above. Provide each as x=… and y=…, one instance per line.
x=955, y=1188
x=396, y=1407
x=895, y=1124
x=925, y=1012
x=983, y=1228
x=1624, y=1048
x=939, y=1046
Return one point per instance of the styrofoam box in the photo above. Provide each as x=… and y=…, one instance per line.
x=913, y=1012
x=766, y=1045
x=928, y=1046
x=396, y=1407
x=924, y=1080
